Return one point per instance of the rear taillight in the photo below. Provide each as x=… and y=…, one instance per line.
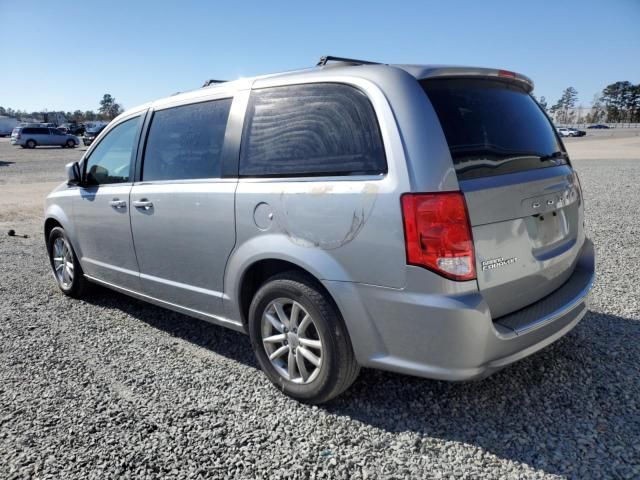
x=438, y=235
x=17, y=136
x=580, y=197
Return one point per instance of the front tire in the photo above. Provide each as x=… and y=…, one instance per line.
x=66, y=268
x=70, y=144
x=300, y=339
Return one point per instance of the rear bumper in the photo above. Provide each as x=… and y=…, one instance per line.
x=453, y=337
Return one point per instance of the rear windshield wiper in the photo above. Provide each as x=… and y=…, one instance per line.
x=476, y=150
x=554, y=155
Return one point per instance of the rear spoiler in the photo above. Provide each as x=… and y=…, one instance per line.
x=508, y=76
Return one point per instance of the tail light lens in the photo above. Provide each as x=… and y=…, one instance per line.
x=581, y=198
x=438, y=235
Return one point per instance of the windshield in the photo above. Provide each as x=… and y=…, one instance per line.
x=492, y=127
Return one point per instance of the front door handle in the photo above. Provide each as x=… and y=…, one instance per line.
x=116, y=203
x=143, y=203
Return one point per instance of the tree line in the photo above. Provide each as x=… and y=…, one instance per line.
x=108, y=110
x=618, y=102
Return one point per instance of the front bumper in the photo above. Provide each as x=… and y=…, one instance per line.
x=453, y=337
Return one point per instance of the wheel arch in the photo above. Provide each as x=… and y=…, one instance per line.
x=49, y=224
x=263, y=256
x=55, y=216
x=256, y=273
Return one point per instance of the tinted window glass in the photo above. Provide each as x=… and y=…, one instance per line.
x=28, y=131
x=55, y=131
x=492, y=127
x=186, y=142
x=319, y=129
x=41, y=131
x=110, y=161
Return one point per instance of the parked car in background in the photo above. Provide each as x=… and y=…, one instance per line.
x=32, y=137
x=72, y=128
x=571, y=132
x=599, y=126
x=358, y=214
x=90, y=135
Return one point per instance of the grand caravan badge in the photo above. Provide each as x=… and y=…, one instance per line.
x=497, y=262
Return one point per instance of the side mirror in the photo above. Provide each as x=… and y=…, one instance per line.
x=73, y=173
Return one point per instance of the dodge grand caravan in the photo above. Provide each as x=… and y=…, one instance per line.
x=419, y=219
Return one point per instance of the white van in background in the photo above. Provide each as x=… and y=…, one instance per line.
x=7, y=124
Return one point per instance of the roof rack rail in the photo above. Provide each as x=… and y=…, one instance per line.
x=212, y=81
x=330, y=58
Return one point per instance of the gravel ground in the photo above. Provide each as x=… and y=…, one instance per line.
x=111, y=387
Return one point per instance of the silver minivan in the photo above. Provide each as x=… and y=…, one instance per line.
x=34, y=136
x=420, y=219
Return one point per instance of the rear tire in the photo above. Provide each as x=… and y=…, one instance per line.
x=31, y=144
x=64, y=262
x=308, y=354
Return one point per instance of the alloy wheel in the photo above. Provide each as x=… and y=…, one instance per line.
x=63, y=262
x=292, y=341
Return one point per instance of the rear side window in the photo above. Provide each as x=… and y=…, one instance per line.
x=186, y=142
x=492, y=127
x=35, y=131
x=310, y=130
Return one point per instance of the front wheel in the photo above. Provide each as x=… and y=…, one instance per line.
x=65, y=265
x=300, y=339
x=70, y=144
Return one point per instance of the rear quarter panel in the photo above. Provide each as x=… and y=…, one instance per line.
x=343, y=228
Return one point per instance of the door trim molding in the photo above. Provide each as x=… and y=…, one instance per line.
x=207, y=317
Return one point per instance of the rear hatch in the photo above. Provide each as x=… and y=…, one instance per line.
x=523, y=198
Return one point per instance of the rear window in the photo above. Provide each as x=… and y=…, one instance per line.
x=310, y=130
x=492, y=127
